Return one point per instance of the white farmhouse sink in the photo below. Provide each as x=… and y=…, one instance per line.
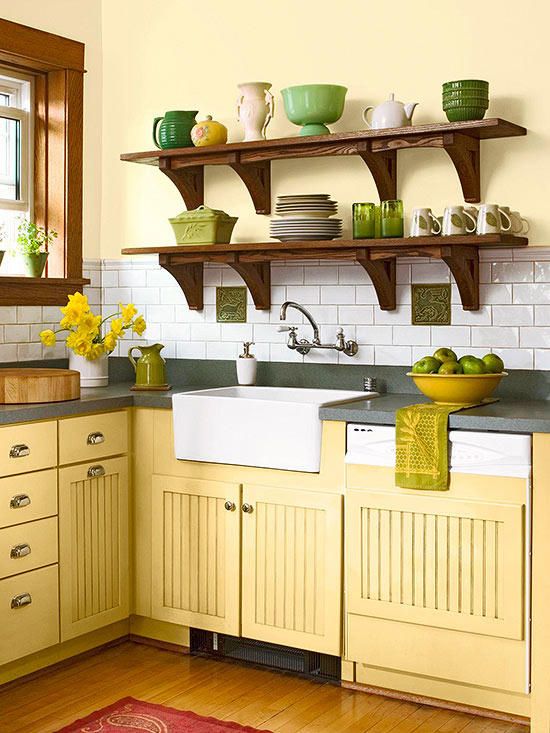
x=268, y=427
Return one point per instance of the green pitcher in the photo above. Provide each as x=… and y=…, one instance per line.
x=150, y=368
x=175, y=129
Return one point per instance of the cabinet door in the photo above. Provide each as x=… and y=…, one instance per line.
x=449, y=563
x=93, y=545
x=196, y=553
x=291, y=575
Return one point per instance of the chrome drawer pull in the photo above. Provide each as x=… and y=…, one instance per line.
x=247, y=508
x=230, y=506
x=19, y=451
x=95, y=438
x=20, y=551
x=19, y=500
x=23, y=599
x=95, y=471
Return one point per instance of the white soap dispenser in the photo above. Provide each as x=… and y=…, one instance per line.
x=246, y=365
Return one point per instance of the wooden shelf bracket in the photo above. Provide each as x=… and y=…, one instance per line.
x=257, y=178
x=383, y=168
x=189, y=181
x=190, y=278
x=257, y=276
x=382, y=272
x=463, y=150
x=463, y=262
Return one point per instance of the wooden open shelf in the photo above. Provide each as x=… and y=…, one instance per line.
x=15, y=290
x=377, y=256
x=377, y=148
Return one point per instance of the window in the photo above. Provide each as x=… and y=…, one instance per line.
x=41, y=120
x=16, y=153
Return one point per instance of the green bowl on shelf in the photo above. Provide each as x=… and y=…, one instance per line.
x=474, y=96
x=453, y=103
x=478, y=84
x=313, y=106
x=465, y=114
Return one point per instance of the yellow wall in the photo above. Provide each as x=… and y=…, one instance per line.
x=191, y=55
x=80, y=20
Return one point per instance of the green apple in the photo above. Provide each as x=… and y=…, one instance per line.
x=445, y=355
x=450, y=367
x=465, y=358
x=427, y=365
x=473, y=365
x=493, y=363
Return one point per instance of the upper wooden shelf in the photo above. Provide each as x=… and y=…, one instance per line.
x=377, y=256
x=377, y=148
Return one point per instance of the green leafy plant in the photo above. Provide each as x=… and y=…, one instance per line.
x=33, y=239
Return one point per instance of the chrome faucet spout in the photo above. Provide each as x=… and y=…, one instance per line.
x=291, y=304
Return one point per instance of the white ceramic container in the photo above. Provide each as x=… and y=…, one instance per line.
x=255, y=109
x=93, y=373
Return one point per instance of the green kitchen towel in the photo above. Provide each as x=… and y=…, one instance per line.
x=422, y=447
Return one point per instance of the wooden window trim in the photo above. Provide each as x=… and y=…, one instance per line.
x=57, y=65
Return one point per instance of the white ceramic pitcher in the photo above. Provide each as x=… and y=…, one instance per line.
x=255, y=109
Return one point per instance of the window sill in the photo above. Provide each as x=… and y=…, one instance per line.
x=38, y=290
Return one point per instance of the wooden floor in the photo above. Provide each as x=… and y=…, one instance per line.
x=249, y=696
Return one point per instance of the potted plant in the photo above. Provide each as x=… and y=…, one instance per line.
x=91, y=339
x=32, y=246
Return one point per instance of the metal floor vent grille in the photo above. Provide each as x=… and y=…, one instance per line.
x=285, y=659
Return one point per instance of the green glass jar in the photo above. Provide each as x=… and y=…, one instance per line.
x=364, y=220
x=391, y=218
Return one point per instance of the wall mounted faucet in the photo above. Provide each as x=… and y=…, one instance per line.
x=303, y=346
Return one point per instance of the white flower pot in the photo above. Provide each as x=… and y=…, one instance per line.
x=93, y=373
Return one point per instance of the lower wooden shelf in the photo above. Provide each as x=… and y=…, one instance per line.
x=377, y=256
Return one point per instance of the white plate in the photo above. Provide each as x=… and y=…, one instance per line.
x=315, y=224
x=300, y=196
x=306, y=214
x=305, y=237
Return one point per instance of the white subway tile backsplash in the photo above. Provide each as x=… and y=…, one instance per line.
x=490, y=336
x=514, y=319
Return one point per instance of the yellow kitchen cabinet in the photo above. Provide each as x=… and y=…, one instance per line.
x=196, y=553
x=93, y=545
x=291, y=569
x=436, y=580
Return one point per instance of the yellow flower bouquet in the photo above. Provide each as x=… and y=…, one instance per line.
x=90, y=335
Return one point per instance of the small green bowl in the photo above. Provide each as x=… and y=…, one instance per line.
x=464, y=114
x=467, y=84
x=470, y=94
x=454, y=103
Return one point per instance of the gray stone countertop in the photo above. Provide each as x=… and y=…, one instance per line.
x=504, y=416
x=516, y=416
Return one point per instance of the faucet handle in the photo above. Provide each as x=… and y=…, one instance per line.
x=283, y=329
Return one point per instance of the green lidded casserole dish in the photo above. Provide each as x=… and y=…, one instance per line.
x=203, y=226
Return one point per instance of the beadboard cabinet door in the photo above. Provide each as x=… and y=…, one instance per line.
x=196, y=553
x=292, y=565
x=93, y=545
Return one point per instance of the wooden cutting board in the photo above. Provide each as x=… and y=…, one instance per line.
x=20, y=386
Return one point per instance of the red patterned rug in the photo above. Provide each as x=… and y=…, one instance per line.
x=129, y=714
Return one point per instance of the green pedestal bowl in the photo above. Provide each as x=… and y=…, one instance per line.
x=313, y=106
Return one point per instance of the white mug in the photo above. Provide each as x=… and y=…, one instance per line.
x=424, y=223
x=492, y=220
x=457, y=221
x=520, y=225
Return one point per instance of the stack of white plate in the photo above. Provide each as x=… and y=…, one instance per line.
x=305, y=216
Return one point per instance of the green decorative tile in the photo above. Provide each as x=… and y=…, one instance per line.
x=231, y=305
x=431, y=305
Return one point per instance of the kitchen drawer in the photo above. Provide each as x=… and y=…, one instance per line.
x=27, y=497
x=34, y=623
x=28, y=546
x=93, y=436
x=27, y=447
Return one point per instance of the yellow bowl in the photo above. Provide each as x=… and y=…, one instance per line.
x=457, y=389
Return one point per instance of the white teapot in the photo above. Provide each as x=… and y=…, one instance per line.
x=390, y=113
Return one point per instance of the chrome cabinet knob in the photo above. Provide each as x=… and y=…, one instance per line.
x=247, y=508
x=18, y=551
x=23, y=599
x=230, y=506
x=19, y=500
x=95, y=471
x=19, y=451
x=95, y=438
